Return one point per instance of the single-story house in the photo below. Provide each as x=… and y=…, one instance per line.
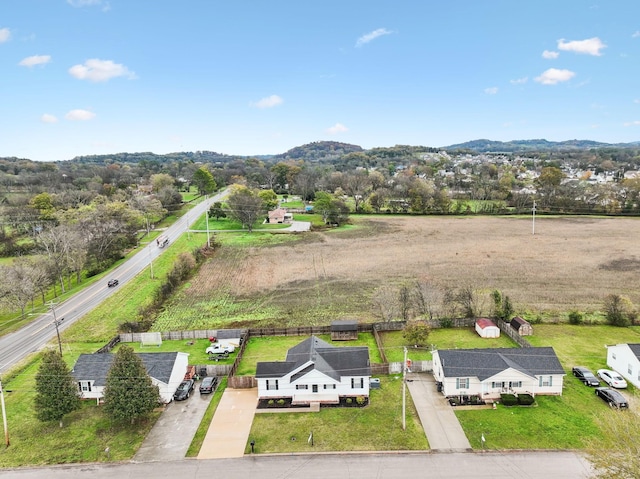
x=625, y=359
x=490, y=372
x=315, y=371
x=279, y=215
x=344, y=330
x=522, y=326
x=167, y=370
x=487, y=328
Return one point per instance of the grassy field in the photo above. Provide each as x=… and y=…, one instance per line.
x=290, y=280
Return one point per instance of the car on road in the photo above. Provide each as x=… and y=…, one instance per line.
x=218, y=348
x=612, y=378
x=612, y=397
x=112, y=282
x=184, y=390
x=208, y=384
x=586, y=376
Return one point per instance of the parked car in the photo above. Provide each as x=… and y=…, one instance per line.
x=612, y=378
x=184, y=390
x=208, y=384
x=218, y=348
x=112, y=282
x=586, y=376
x=612, y=397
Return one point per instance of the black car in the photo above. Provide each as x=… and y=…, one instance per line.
x=112, y=282
x=184, y=390
x=612, y=397
x=208, y=384
x=586, y=376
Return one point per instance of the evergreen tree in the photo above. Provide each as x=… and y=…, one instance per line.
x=129, y=393
x=56, y=389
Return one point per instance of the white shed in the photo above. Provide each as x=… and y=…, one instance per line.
x=487, y=328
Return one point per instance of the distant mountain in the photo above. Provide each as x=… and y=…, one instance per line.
x=319, y=150
x=515, y=146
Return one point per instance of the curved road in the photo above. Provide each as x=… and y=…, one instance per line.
x=34, y=336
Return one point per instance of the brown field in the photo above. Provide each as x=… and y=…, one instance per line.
x=571, y=263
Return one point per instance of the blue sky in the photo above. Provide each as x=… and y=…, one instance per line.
x=82, y=77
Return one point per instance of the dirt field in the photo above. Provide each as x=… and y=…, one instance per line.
x=570, y=263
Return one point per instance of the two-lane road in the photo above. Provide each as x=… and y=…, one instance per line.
x=34, y=336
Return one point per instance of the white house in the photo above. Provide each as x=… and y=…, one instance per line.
x=316, y=371
x=167, y=370
x=487, y=328
x=625, y=359
x=490, y=372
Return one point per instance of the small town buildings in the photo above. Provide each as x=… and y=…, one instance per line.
x=625, y=359
x=315, y=371
x=167, y=370
x=488, y=373
x=487, y=328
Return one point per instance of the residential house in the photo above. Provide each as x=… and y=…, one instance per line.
x=487, y=328
x=314, y=371
x=167, y=370
x=490, y=372
x=279, y=215
x=522, y=326
x=625, y=359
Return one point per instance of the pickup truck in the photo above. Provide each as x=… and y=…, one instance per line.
x=220, y=349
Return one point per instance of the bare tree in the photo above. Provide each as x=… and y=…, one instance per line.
x=385, y=303
x=427, y=296
x=245, y=205
x=356, y=185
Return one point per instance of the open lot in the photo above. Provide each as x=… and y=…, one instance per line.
x=571, y=263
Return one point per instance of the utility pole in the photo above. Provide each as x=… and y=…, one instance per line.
x=533, y=211
x=404, y=390
x=4, y=416
x=56, y=323
x=208, y=238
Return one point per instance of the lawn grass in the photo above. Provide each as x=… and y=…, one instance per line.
x=376, y=427
x=196, y=349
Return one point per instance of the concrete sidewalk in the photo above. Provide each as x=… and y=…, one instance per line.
x=439, y=422
x=229, y=430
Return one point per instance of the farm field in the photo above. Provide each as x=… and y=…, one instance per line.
x=571, y=263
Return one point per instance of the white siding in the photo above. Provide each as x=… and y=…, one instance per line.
x=621, y=359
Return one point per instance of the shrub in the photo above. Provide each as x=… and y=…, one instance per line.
x=446, y=323
x=361, y=400
x=281, y=402
x=509, y=399
x=575, y=317
x=526, y=399
x=349, y=400
x=271, y=402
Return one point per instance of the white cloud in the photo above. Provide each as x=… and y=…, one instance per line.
x=368, y=37
x=636, y=34
x=519, y=81
x=268, y=102
x=549, y=55
x=590, y=46
x=491, y=91
x=637, y=100
x=80, y=115
x=46, y=118
x=35, y=60
x=5, y=34
x=632, y=123
x=86, y=3
x=553, y=76
x=97, y=70
x=337, y=128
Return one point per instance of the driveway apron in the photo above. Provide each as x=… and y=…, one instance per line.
x=229, y=430
x=439, y=422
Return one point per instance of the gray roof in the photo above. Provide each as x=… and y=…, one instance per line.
x=95, y=367
x=229, y=333
x=330, y=360
x=635, y=349
x=485, y=363
x=344, y=325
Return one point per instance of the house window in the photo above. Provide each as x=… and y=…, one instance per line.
x=630, y=368
x=314, y=388
x=357, y=383
x=515, y=384
x=85, y=386
x=302, y=386
x=462, y=383
x=272, y=384
x=329, y=386
x=545, y=381
x=497, y=385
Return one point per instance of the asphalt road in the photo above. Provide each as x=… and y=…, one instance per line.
x=530, y=465
x=34, y=336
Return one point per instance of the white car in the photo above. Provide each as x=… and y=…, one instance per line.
x=612, y=378
x=220, y=349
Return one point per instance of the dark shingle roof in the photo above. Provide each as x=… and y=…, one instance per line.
x=344, y=325
x=485, y=363
x=96, y=366
x=635, y=349
x=330, y=360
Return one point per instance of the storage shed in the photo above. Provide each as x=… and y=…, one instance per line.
x=522, y=326
x=344, y=330
x=487, y=328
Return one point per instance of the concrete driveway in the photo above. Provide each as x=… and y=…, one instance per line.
x=171, y=435
x=439, y=422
